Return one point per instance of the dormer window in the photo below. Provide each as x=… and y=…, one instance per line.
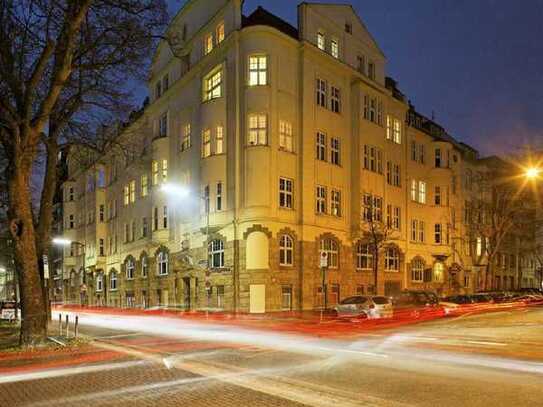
x=348, y=28
x=334, y=48
x=371, y=70
x=220, y=32
x=321, y=41
x=158, y=89
x=208, y=43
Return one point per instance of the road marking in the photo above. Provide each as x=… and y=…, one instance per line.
x=120, y=335
x=487, y=343
x=49, y=373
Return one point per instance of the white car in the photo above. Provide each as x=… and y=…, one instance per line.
x=365, y=306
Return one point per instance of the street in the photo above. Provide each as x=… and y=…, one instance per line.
x=473, y=360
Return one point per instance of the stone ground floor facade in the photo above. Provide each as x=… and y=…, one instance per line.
x=292, y=280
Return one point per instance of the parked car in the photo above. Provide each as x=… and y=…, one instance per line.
x=458, y=299
x=365, y=306
x=413, y=303
x=481, y=298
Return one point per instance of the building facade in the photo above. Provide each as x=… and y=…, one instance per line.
x=264, y=149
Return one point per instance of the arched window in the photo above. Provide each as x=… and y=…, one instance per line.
x=215, y=250
x=330, y=247
x=417, y=269
x=286, y=250
x=112, y=280
x=162, y=263
x=130, y=268
x=72, y=278
x=392, y=259
x=439, y=272
x=364, y=257
x=99, y=282
x=144, y=266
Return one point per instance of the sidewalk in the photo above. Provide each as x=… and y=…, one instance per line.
x=16, y=360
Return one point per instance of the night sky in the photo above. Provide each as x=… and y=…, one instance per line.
x=477, y=64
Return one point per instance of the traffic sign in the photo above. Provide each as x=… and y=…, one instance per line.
x=324, y=259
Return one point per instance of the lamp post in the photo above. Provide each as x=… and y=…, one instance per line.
x=59, y=241
x=180, y=191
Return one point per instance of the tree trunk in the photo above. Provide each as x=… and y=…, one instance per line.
x=34, y=316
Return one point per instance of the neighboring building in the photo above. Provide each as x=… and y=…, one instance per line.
x=290, y=142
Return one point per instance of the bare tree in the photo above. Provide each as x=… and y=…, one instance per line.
x=377, y=232
x=61, y=63
x=496, y=214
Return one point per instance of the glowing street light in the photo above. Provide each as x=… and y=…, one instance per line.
x=175, y=190
x=532, y=172
x=60, y=241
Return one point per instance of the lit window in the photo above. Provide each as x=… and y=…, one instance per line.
x=213, y=85
x=285, y=193
x=364, y=257
x=334, y=151
x=162, y=263
x=286, y=250
x=389, y=128
x=285, y=136
x=439, y=272
x=397, y=134
x=329, y=248
x=392, y=259
x=258, y=70
x=258, y=129
x=164, y=170
x=220, y=32
x=126, y=195
x=215, y=250
x=322, y=90
x=206, y=143
x=185, y=143
x=334, y=48
x=413, y=190
x=144, y=185
x=219, y=140
x=417, y=270
x=335, y=202
x=321, y=40
x=132, y=186
x=154, y=172
x=422, y=192
x=335, y=99
x=208, y=43
x=320, y=199
x=321, y=146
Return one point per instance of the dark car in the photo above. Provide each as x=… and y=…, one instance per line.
x=481, y=298
x=414, y=303
x=459, y=299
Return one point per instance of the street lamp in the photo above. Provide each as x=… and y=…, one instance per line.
x=60, y=241
x=181, y=191
x=532, y=172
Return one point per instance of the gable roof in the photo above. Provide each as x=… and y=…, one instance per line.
x=261, y=16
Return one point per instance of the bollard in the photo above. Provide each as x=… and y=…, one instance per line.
x=76, y=324
x=59, y=324
x=67, y=326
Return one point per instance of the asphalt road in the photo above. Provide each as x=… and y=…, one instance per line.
x=486, y=360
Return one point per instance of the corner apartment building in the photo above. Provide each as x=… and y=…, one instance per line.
x=263, y=148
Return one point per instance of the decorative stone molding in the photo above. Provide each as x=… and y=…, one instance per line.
x=257, y=228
